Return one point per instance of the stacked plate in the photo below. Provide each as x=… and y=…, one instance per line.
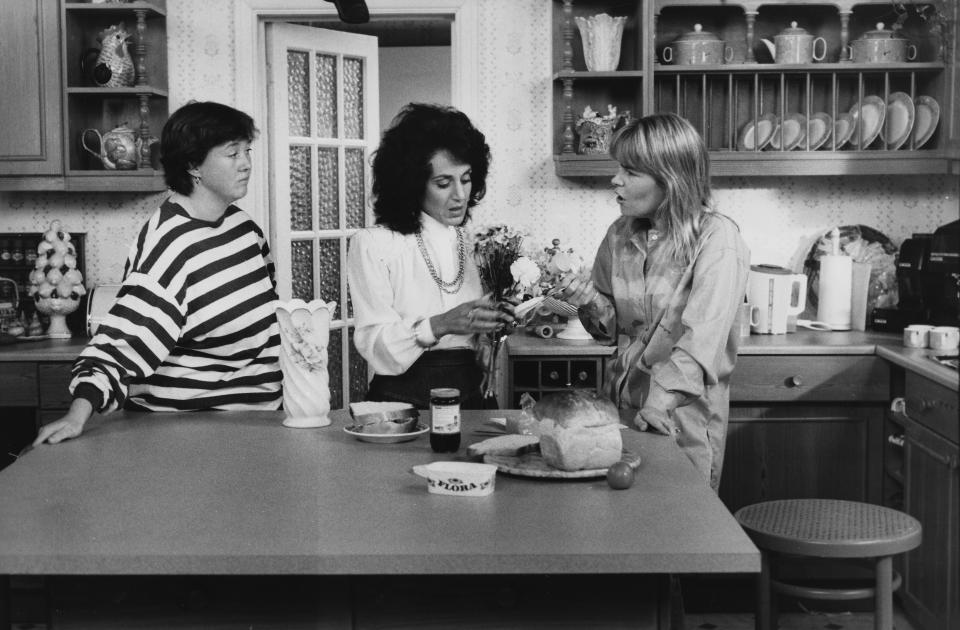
x=792, y=130
x=819, y=130
x=925, y=122
x=868, y=118
x=756, y=134
x=898, y=122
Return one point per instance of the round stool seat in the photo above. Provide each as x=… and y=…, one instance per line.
x=829, y=528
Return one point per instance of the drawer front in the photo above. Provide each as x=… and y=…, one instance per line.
x=810, y=378
x=18, y=384
x=932, y=405
x=54, y=379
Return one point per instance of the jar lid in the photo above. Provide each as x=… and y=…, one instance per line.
x=880, y=33
x=444, y=392
x=793, y=29
x=698, y=35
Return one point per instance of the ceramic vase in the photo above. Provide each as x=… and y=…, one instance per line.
x=57, y=310
x=601, y=35
x=304, y=338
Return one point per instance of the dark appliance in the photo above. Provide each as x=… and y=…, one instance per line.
x=928, y=282
x=942, y=276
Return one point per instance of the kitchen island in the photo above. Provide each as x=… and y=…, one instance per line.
x=237, y=494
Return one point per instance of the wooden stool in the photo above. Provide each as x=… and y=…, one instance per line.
x=826, y=528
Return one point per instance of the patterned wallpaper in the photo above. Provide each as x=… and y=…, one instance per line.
x=779, y=216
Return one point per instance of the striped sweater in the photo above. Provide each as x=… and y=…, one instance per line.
x=193, y=326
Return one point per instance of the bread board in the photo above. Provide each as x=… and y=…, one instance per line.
x=533, y=465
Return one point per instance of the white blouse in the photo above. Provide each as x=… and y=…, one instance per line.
x=391, y=289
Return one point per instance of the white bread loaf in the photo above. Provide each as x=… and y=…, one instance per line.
x=579, y=430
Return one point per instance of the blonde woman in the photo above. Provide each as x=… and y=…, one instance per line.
x=666, y=288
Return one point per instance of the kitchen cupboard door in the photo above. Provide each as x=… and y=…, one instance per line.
x=30, y=105
x=797, y=451
x=931, y=572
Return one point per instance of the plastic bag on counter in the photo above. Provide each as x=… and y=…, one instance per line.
x=866, y=245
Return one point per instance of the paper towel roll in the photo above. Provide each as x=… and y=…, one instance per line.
x=836, y=287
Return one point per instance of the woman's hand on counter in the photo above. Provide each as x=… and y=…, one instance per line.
x=655, y=420
x=69, y=426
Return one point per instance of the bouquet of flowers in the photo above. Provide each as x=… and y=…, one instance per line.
x=507, y=274
x=556, y=262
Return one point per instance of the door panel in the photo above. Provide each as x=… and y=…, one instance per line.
x=324, y=125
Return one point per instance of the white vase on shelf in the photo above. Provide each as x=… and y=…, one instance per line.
x=601, y=35
x=304, y=338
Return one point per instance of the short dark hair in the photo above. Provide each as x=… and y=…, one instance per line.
x=192, y=131
x=401, y=164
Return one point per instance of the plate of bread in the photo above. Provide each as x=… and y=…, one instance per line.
x=572, y=435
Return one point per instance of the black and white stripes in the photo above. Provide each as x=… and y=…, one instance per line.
x=193, y=326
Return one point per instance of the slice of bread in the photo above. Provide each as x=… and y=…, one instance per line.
x=510, y=444
x=368, y=407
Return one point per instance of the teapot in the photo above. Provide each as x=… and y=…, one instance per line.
x=795, y=45
x=119, y=148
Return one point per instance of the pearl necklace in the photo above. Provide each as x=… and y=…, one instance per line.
x=446, y=287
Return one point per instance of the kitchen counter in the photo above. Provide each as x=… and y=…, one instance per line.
x=237, y=494
x=802, y=342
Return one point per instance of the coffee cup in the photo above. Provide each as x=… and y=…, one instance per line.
x=916, y=335
x=944, y=338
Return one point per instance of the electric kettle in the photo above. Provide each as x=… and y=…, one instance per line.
x=774, y=293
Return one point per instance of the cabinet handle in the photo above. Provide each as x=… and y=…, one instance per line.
x=898, y=405
x=554, y=375
x=950, y=461
x=896, y=440
x=582, y=376
x=795, y=381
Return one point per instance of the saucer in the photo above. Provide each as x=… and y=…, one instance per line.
x=387, y=438
x=927, y=117
x=898, y=121
x=793, y=128
x=867, y=121
x=755, y=135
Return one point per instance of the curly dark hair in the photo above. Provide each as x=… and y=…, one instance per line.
x=401, y=164
x=192, y=131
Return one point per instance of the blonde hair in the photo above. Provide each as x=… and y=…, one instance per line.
x=670, y=150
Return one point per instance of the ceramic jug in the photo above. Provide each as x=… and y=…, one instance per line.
x=795, y=45
x=119, y=148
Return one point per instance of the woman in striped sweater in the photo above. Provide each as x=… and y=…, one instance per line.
x=193, y=326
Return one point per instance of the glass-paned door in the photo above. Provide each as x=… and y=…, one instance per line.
x=324, y=124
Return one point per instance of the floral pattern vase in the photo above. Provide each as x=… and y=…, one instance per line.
x=304, y=337
x=601, y=35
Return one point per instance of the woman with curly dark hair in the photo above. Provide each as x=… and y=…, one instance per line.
x=416, y=292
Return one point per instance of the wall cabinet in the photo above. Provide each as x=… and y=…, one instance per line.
x=67, y=97
x=762, y=118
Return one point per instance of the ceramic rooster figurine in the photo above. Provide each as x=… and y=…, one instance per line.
x=114, y=64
